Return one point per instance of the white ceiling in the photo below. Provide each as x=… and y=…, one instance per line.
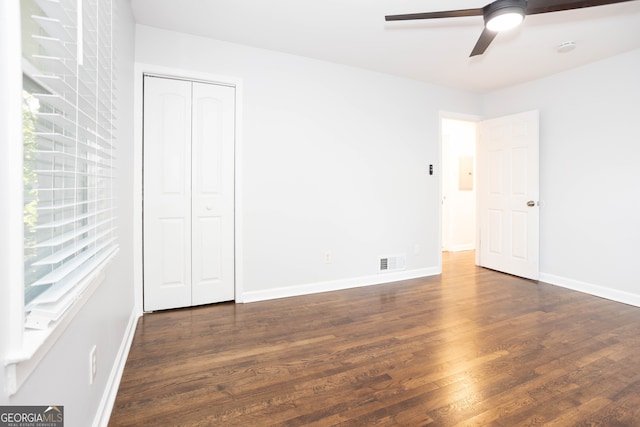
x=354, y=32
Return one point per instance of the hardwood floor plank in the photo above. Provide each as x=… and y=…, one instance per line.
x=469, y=347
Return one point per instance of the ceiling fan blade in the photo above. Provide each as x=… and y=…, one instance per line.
x=535, y=7
x=483, y=42
x=434, y=15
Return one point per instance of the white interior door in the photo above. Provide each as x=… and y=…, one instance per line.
x=508, y=194
x=188, y=186
x=167, y=193
x=212, y=193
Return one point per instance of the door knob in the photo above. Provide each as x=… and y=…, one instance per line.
x=531, y=203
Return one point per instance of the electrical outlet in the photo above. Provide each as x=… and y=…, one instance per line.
x=93, y=364
x=328, y=257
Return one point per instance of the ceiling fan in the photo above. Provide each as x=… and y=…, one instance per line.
x=502, y=15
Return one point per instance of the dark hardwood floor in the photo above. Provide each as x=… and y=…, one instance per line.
x=471, y=347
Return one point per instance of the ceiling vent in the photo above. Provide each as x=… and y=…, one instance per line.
x=392, y=263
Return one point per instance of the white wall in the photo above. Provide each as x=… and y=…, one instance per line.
x=62, y=377
x=334, y=159
x=590, y=174
x=459, y=206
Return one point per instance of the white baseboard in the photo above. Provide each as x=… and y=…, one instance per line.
x=591, y=289
x=111, y=390
x=459, y=248
x=336, y=285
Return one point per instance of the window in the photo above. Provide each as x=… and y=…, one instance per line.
x=68, y=150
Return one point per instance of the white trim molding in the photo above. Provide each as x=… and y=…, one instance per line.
x=113, y=382
x=460, y=248
x=336, y=285
x=591, y=289
x=11, y=184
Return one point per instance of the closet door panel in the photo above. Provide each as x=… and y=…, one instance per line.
x=213, y=193
x=167, y=193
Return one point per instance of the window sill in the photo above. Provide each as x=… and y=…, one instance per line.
x=36, y=343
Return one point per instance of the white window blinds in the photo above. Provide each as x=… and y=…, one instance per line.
x=68, y=124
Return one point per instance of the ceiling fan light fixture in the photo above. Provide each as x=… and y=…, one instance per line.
x=505, y=21
x=502, y=15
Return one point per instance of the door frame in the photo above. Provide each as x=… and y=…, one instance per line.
x=453, y=116
x=140, y=69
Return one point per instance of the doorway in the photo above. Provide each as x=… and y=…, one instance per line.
x=501, y=176
x=458, y=138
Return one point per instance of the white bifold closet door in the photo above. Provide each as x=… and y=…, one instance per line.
x=188, y=193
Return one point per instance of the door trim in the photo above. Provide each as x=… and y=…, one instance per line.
x=140, y=69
